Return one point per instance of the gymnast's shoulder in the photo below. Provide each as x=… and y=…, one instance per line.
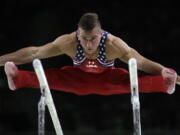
x=66, y=43
x=116, y=46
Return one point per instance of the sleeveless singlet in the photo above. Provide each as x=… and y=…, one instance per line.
x=93, y=65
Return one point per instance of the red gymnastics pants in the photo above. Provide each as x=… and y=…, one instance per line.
x=74, y=80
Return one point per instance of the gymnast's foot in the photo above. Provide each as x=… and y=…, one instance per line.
x=11, y=71
x=170, y=77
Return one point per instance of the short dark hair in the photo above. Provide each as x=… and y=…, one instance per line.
x=89, y=21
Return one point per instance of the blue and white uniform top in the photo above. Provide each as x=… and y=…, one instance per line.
x=100, y=61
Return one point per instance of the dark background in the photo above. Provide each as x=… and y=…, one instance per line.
x=154, y=31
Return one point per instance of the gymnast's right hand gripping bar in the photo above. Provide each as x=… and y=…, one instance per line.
x=135, y=96
x=49, y=101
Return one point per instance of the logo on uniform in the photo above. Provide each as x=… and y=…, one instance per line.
x=91, y=64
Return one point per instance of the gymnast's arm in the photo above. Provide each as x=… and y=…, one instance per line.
x=125, y=53
x=28, y=54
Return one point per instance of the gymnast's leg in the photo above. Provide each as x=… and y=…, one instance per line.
x=78, y=82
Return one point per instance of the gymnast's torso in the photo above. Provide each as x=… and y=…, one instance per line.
x=99, y=63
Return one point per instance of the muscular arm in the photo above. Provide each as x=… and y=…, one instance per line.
x=144, y=64
x=25, y=55
x=125, y=53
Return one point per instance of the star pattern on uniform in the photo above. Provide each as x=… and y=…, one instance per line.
x=102, y=55
x=80, y=56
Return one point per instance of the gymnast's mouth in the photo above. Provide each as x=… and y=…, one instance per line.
x=90, y=51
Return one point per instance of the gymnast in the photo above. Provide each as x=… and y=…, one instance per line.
x=93, y=51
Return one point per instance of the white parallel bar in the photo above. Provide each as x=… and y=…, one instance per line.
x=135, y=96
x=133, y=75
x=41, y=115
x=49, y=101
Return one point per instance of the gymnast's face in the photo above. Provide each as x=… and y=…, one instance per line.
x=90, y=39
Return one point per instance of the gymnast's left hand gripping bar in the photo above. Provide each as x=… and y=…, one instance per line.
x=49, y=101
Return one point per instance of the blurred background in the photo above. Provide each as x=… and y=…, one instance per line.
x=154, y=31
